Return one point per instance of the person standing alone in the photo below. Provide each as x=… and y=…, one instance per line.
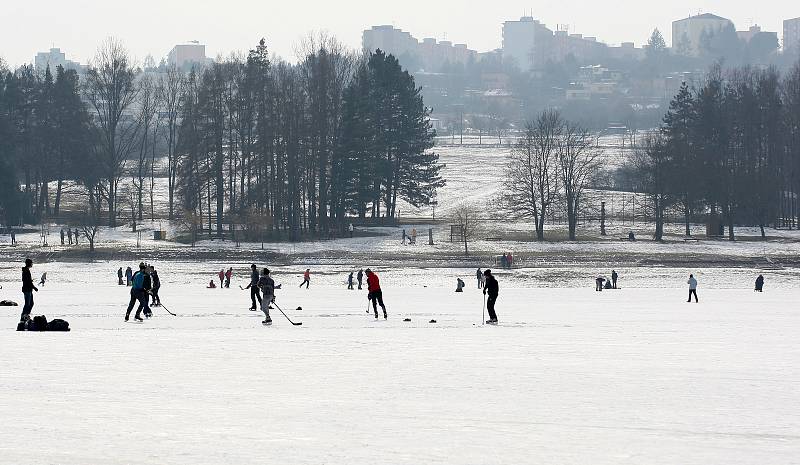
x=492, y=289
x=479, y=277
x=27, y=290
x=360, y=277
x=614, y=277
x=120, y=274
x=692, y=288
x=253, y=286
x=375, y=294
x=306, y=278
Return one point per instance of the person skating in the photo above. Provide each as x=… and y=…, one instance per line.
x=128, y=276
x=253, y=286
x=614, y=277
x=43, y=279
x=479, y=277
x=350, y=281
x=62, y=236
x=760, y=283
x=306, y=278
x=692, y=288
x=267, y=286
x=460, y=285
x=120, y=274
x=375, y=294
x=228, y=275
x=360, y=277
x=138, y=294
x=492, y=290
x=598, y=283
x=27, y=290
x=222, y=278
x=156, y=287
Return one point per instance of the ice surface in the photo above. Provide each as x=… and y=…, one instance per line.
x=634, y=376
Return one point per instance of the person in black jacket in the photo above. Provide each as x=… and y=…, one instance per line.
x=760, y=283
x=139, y=287
x=492, y=289
x=27, y=290
x=156, y=286
x=253, y=286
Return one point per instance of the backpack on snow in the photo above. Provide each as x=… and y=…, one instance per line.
x=39, y=323
x=138, y=281
x=58, y=325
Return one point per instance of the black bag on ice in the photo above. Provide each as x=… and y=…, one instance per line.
x=58, y=325
x=39, y=323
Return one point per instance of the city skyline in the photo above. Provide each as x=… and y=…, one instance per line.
x=229, y=31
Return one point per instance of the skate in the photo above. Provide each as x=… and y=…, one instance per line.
x=385, y=315
x=127, y=316
x=491, y=322
x=267, y=322
x=138, y=318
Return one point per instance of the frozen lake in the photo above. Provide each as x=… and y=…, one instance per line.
x=570, y=377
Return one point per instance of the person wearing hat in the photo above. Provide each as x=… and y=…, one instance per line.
x=139, y=294
x=27, y=290
x=253, y=286
x=492, y=289
x=374, y=293
x=267, y=286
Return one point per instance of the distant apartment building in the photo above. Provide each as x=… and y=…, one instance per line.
x=688, y=33
x=185, y=56
x=525, y=42
x=55, y=58
x=791, y=35
x=429, y=54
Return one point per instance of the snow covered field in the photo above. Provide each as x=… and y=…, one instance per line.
x=634, y=376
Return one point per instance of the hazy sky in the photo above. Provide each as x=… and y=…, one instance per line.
x=154, y=26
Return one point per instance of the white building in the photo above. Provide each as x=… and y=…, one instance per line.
x=55, y=58
x=187, y=55
x=390, y=40
x=791, y=35
x=524, y=42
x=687, y=33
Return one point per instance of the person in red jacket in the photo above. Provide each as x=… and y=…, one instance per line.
x=375, y=293
x=306, y=278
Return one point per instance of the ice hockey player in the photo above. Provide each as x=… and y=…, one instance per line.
x=267, y=286
x=306, y=278
x=156, y=286
x=692, y=288
x=360, y=277
x=27, y=290
x=253, y=286
x=760, y=283
x=138, y=294
x=43, y=279
x=375, y=293
x=492, y=289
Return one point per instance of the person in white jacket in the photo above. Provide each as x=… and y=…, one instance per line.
x=692, y=288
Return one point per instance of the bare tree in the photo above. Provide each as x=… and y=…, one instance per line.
x=531, y=175
x=110, y=89
x=146, y=117
x=578, y=163
x=467, y=217
x=654, y=167
x=172, y=87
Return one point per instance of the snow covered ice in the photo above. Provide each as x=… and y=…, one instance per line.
x=572, y=376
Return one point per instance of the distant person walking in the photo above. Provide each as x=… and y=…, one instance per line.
x=692, y=288
x=228, y=275
x=255, y=295
x=760, y=283
x=479, y=277
x=306, y=278
x=27, y=290
x=350, y=228
x=120, y=274
x=504, y=260
x=43, y=279
x=13, y=237
x=350, y=281
x=510, y=260
x=375, y=293
x=267, y=286
x=62, y=236
x=492, y=290
x=360, y=277
x=69, y=236
x=76, y=236
x=404, y=237
x=413, y=236
x=614, y=277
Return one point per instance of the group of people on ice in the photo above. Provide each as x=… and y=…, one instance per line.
x=145, y=285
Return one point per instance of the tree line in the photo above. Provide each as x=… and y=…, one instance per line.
x=287, y=149
x=729, y=148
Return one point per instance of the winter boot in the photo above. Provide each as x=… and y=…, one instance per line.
x=385, y=316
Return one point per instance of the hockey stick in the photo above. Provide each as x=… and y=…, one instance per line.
x=369, y=301
x=162, y=305
x=483, y=318
x=300, y=323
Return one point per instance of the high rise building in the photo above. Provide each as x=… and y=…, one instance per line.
x=524, y=42
x=187, y=55
x=688, y=33
x=791, y=35
x=55, y=58
x=429, y=54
